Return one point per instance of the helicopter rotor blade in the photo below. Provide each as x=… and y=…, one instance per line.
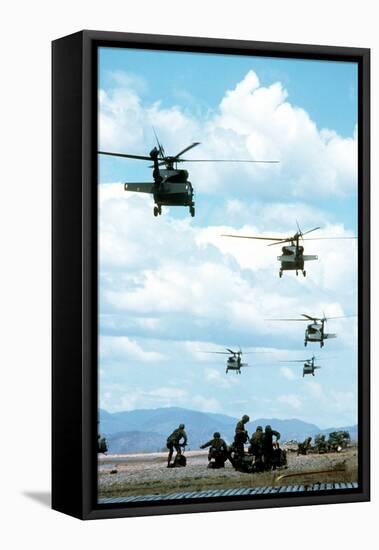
x=281, y=242
x=252, y=237
x=285, y=319
x=186, y=149
x=220, y=352
x=328, y=238
x=231, y=351
x=310, y=231
x=294, y=361
x=229, y=160
x=340, y=317
x=138, y=157
x=160, y=147
x=311, y=318
x=300, y=233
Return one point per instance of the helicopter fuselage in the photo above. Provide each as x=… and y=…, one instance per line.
x=309, y=368
x=234, y=363
x=315, y=333
x=174, y=189
x=293, y=259
x=171, y=188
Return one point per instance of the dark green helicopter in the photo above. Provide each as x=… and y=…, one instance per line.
x=171, y=186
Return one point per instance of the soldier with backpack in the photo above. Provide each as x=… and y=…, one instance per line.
x=173, y=442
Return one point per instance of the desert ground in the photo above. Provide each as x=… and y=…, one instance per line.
x=141, y=474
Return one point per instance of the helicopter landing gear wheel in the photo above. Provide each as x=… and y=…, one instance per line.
x=192, y=211
x=297, y=273
x=305, y=343
x=156, y=211
x=304, y=273
x=281, y=273
x=321, y=344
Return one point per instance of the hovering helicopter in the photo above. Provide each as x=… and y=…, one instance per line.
x=309, y=366
x=315, y=331
x=234, y=361
x=171, y=186
x=292, y=257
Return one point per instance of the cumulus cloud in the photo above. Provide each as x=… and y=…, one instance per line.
x=185, y=269
x=251, y=122
x=294, y=401
x=288, y=373
x=172, y=287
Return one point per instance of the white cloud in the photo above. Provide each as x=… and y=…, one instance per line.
x=288, y=373
x=252, y=121
x=294, y=401
x=175, y=288
x=126, y=349
x=212, y=278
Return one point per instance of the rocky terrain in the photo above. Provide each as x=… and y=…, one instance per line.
x=139, y=474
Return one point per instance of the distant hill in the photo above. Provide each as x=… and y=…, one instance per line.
x=146, y=430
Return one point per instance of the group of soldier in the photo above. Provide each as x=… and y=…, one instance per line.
x=262, y=454
x=337, y=441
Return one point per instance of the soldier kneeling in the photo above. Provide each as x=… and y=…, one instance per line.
x=218, y=451
x=304, y=447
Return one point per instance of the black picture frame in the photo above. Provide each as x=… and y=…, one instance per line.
x=74, y=272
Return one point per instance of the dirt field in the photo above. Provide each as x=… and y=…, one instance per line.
x=142, y=474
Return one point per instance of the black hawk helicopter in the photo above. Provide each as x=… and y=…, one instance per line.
x=309, y=366
x=315, y=331
x=234, y=361
x=292, y=257
x=171, y=186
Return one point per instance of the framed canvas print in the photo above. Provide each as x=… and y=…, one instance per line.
x=210, y=274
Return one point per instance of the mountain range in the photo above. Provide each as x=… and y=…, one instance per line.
x=146, y=430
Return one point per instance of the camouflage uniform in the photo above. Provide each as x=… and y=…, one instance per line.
x=241, y=435
x=321, y=444
x=338, y=440
x=268, y=450
x=173, y=442
x=218, y=451
x=101, y=444
x=304, y=447
x=256, y=446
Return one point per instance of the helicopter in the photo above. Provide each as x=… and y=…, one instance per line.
x=309, y=366
x=292, y=257
x=171, y=186
x=234, y=361
x=315, y=331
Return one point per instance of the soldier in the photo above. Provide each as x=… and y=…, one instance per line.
x=241, y=435
x=321, y=444
x=173, y=442
x=218, y=450
x=268, y=446
x=304, y=447
x=102, y=446
x=256, y=446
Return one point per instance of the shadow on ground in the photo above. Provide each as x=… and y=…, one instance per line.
x=42, y=497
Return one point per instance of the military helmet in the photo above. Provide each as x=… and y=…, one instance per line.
x=268, y=428
x=245, y=418
x=259, y=429
x=217, y=435
x=181, y=426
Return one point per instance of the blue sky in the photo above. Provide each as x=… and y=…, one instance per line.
x=172, y=287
